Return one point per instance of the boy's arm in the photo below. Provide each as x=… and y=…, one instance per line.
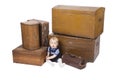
x=55, y=55
x=51, y=57
x=48, y=53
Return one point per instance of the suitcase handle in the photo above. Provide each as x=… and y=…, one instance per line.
x=72, y=56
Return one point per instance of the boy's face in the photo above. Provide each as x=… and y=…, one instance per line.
x=53, y=43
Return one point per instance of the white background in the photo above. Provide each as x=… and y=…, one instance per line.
x=12, y=12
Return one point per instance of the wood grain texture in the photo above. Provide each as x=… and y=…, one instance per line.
x=24, y=56
x=44, y=31
x=30, y=35
x=78, y=21
x=75, y=61
x=84, y=47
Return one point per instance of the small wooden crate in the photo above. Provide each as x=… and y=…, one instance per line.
x=34, y=57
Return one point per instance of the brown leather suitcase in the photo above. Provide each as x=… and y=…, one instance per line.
x=44, y=31
x=24, y=56
x=75, y=61
x=84, y=47
x=30, y=35
x=78, y=21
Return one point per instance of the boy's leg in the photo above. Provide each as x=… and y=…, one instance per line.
x=50, y=62
x=60, y=63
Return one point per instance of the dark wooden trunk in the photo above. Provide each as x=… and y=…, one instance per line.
x=45, y=31
x=84, y=47
x=75, y=61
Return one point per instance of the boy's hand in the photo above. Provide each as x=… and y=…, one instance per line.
x=50, y=57
x=47, y=57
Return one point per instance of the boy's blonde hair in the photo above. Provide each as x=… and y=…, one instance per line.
x=55, y=39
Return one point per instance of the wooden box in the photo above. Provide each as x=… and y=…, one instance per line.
x=30, y=35
x=75, y=61
x=84, y=47
x=34, y=57
x=78, y=21
x=44, y=31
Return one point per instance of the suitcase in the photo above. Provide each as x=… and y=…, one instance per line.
x=78, y=21
x=30, y=35
x=84, y=47
x=44, y=31
x=75, y=61
x=24, y=56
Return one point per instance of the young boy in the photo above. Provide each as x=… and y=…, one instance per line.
x=53, y=53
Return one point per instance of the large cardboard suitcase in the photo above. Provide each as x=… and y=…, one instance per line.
x=84, y=47
x=33, y=57
x=44, y=31
x=78, y=20
x=30, y=35
x=75, y=61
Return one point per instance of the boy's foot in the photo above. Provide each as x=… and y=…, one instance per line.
x=50, y=62
x=60, y=63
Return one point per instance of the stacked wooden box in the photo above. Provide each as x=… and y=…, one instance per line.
x=34, y=43
x=78, y=29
